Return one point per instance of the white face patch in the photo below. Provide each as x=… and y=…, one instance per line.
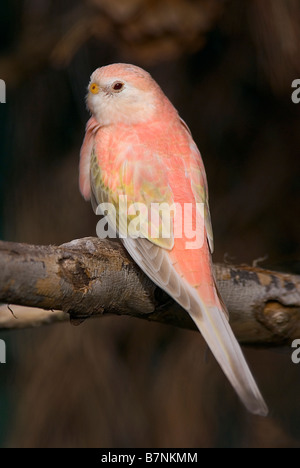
x=117, y=100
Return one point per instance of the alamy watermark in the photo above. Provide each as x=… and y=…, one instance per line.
x=2, y=342
x=2, y=352
x=296, y=354
x=2, y=92
x=296, y=94
x=155, y=221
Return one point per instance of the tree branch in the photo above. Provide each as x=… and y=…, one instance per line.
x=91, y=277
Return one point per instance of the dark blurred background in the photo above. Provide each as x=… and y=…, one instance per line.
x=228, y=67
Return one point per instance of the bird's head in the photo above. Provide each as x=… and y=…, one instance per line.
x=123, y=93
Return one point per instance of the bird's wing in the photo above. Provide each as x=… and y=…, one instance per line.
x=85, y=157
x=195, y=168
x=138, y=186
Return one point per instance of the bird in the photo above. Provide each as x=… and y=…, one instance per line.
x=137, y=147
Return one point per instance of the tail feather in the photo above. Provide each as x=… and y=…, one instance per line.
x=217, y=332
x=212, y=321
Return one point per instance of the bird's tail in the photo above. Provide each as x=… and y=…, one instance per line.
x=213, y=325
x=204, y=306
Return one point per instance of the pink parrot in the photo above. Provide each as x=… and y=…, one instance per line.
x=137, y=145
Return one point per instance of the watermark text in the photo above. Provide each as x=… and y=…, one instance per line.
x=2, y=352
x=154, y=221
x=2, y=92
x=296, y=94
x=296, y=354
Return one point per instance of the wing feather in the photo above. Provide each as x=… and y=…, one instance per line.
x=199, y=182
x=143, y=191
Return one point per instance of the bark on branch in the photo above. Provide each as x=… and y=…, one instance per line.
x=92, y=277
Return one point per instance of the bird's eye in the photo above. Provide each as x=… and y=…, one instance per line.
x=118, y=86
x=94, y=88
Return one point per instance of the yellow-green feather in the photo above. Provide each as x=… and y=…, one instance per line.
x=148, y=193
